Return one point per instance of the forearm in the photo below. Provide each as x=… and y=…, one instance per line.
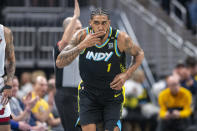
x=162, y=113
x=54, y=121
x=136, y=63
x=10, y=70
x=22, y=116
x=185, y=113
x=67, y=56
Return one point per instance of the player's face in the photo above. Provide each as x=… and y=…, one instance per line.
x=100, y=23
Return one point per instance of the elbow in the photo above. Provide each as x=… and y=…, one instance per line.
x=142, y=54
x=58, y=64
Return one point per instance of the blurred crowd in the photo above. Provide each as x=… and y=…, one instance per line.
x=176, y=95
x=191, y=8
x=32, y=105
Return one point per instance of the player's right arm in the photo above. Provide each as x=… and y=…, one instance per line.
x=79, y=42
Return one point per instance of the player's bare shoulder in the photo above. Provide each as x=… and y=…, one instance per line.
x=9, y=50
x=124, y=41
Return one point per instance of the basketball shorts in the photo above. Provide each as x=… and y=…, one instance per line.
x=5, y=111
x=100, y=106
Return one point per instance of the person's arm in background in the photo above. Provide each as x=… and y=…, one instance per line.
x=21, y=125
x=69, y=30
x=125, y=44
x=27, y=111
x=10, y=65
x=163, y=113
x=186, y=112
x=53, y=121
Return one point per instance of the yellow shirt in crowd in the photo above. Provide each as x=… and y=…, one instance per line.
x=182, y=101
x=41, y=106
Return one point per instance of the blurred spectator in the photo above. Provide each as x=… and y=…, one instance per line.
x=187, y=80
x=178, y=68
x=192, y=7
x=17, y=112
x=191, y=64
x=42, y=109
x=158, y=87
x=25, y=78
x=26, y=85
x=136, y=99
x=23, y=117
x=175, y=106
x=37, y=73
x=51, y=92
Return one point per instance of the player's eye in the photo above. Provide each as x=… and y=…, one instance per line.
x=96, y=22
x=104, y=23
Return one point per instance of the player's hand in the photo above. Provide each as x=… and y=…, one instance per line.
x=118, y=81
x=77, y=10
x=6, y=94
x=92, y=39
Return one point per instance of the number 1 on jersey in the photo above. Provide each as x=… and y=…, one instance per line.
x=108, y=67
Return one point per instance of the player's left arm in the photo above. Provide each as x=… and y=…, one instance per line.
x=125, y=44
x=10, y=65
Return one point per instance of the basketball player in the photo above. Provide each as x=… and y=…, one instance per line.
x=101, y=51
x=6, y=50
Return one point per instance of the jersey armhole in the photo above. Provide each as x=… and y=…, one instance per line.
x=117, y=51
x=87, y=30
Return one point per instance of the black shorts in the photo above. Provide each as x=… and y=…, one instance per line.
x=96, y=106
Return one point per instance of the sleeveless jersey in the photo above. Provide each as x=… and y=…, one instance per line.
x=2, y=50
x=99, y=64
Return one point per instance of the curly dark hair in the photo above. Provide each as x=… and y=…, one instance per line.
x=99, y=11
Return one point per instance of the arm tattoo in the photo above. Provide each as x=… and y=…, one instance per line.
x=69, y=53
x=10, y=56
x=133, y=50
x=128, y=46
x=67, y=56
